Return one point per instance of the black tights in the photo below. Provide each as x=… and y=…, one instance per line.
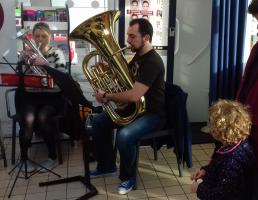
x=41, y=120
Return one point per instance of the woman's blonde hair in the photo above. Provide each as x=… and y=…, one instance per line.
x=42, y=26
x=229, y=121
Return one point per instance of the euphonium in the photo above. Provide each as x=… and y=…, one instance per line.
x=114, y=77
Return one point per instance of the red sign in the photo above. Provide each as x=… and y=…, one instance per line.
x=34, y=81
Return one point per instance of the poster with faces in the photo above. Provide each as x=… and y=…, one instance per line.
x=156, y=11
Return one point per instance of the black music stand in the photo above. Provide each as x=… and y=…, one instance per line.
x=23, y=162
x=23, y=143
x=71, y=90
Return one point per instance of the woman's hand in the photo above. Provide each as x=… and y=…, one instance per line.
x=38, y=60
x=32, y=58
x=26, y=55
x=194, y=186
x=100, y=96
x=198, y=174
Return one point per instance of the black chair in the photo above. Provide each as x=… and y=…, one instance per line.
x=14, y=116
x=176, y=130
x=2, y=148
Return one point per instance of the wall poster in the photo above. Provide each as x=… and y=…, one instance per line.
x=157, y=12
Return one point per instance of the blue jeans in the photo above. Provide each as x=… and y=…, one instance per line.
x=127, y=138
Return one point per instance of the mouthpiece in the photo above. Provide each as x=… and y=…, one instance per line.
x=39, y=44
x=126, y=47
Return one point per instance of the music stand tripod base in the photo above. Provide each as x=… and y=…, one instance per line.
x=26, y=176
x=83, y=179
x=92, y=190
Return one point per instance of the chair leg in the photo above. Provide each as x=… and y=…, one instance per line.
x=155, y=149
x=180, y=163
x=58, y=144
x=59, y=152
x=59, y=149
x=136, y=165
x=3, y=152
x=179, y=166
x=13, y=141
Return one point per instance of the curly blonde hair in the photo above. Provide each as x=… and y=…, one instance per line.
x=229, y=121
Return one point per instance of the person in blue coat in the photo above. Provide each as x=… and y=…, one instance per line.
x=230, y=171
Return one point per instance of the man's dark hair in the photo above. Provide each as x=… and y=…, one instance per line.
x=253, y=7
x=145, y=27
x=145, y=2
x=134, y=1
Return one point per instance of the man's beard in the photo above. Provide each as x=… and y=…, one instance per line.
x=133, y=49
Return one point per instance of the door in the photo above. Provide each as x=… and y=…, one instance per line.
x=192, y=59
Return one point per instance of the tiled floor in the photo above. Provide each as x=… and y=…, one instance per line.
x=156, y=179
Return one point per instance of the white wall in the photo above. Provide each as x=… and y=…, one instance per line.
x=192, y=62
x=7, y=41
x=8, y=32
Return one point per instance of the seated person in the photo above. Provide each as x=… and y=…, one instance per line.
x=38, y=106
x=229, y=173
x=148, y=69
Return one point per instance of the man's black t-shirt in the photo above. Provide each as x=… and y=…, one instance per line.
x=149, y=70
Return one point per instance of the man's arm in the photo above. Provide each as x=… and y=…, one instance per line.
x=130, y=96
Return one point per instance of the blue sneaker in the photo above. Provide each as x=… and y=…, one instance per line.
x=126, y=186
x=96, y=173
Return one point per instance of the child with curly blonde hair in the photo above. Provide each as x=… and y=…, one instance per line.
x=229, y=173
